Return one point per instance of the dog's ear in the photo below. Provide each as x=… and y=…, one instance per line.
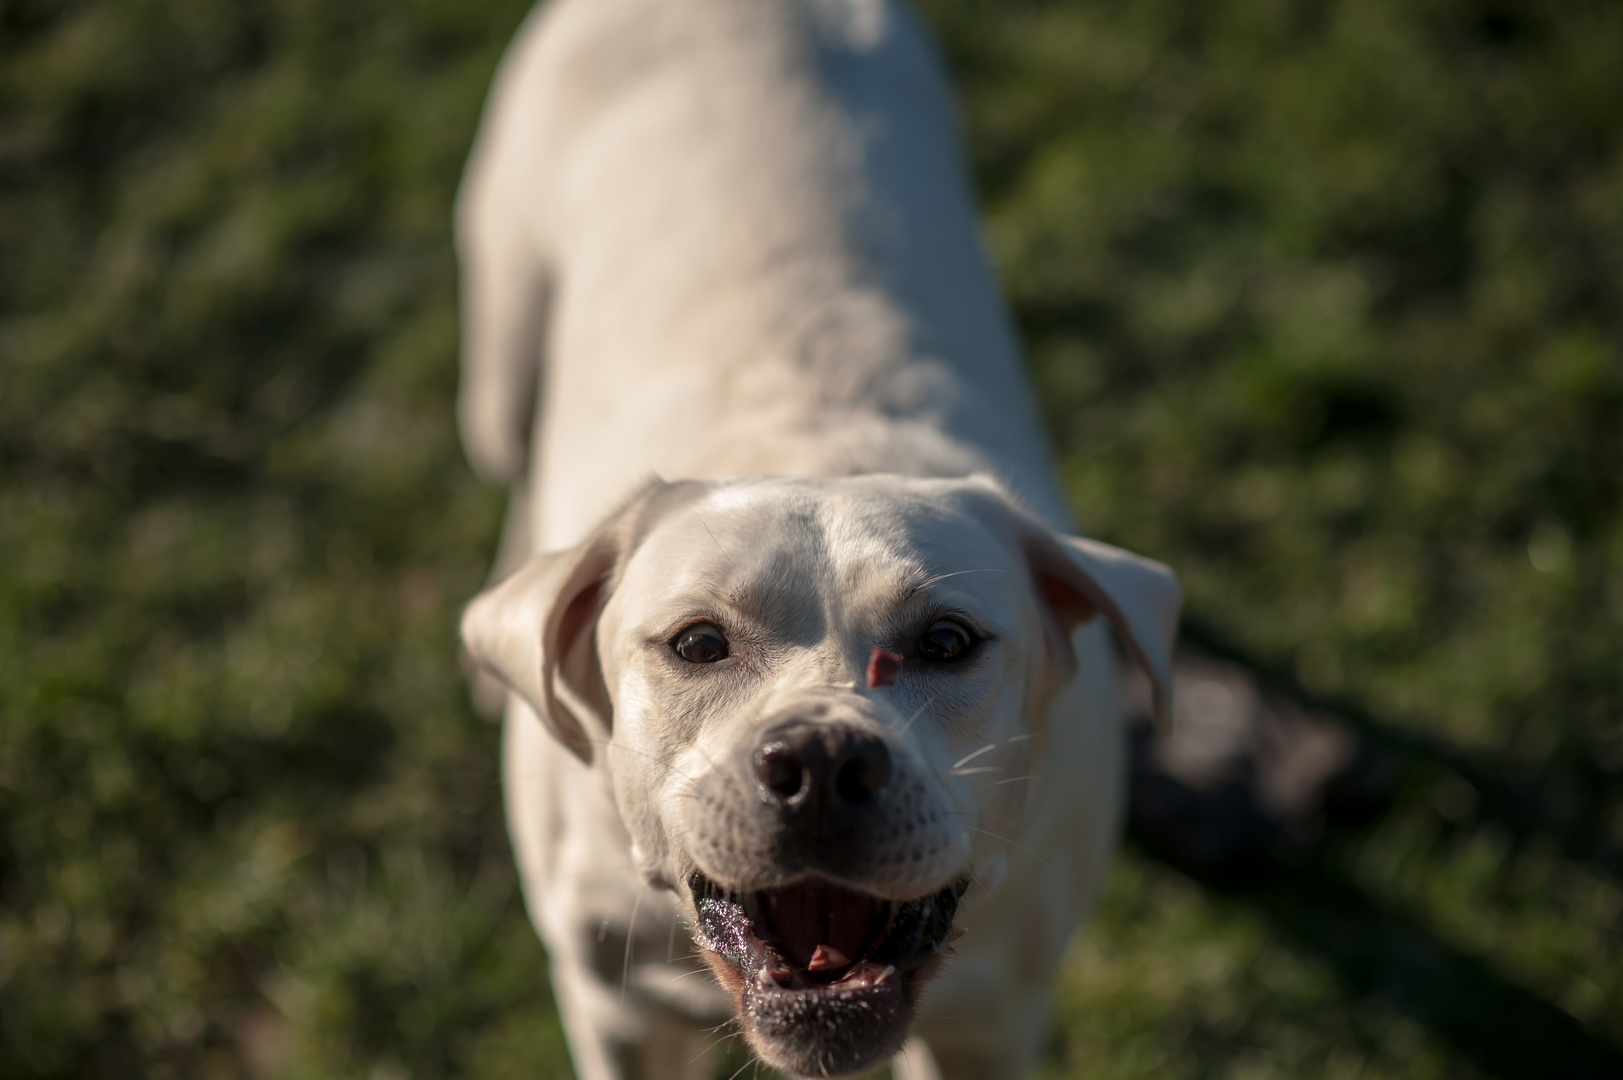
x=1078, y=579
x=536, y=631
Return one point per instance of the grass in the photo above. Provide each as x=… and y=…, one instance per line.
x=1324, y=305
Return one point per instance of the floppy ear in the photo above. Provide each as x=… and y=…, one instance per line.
x=1077, y=579
x=535, y=632
x=1080, y=578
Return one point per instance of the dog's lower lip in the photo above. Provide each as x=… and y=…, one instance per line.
x=817, y=935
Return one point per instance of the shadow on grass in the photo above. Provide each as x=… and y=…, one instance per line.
x=1378, y=952
x=1561, y=807
x=1502, y=1029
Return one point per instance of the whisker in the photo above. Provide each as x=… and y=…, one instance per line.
x=961, y=762
x=926, y=583
x=631, y=937
x=715, y=1044
x=714, y=768
x=724, y=1023
x=666, y=760
x=916, y=714
x=612, y=745
x=1011, y=843
x=1016, y=779
x=712, y=536
x=977, y=769
x=690, y=974
x=979, y=814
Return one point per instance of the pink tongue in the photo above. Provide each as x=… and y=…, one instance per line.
x=826, y=958
x=820, y=927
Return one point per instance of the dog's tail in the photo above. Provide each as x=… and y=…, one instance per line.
x=505, y=284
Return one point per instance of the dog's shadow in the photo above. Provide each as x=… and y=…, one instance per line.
x=1261, y=789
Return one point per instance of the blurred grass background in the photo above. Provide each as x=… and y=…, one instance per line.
x=1324, y=304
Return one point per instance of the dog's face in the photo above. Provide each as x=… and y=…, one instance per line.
x=728, y=652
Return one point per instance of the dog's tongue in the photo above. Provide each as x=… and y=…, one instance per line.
x=823, y=927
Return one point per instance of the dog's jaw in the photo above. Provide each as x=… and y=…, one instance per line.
x=824, y=978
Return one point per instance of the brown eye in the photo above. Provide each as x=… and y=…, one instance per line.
x=944, y=641
x=701, y=644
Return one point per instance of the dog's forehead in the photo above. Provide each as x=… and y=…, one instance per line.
x=886, y=535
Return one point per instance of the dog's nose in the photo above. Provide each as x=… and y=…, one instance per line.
x=805, y=765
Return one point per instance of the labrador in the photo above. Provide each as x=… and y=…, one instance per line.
x=812, y=727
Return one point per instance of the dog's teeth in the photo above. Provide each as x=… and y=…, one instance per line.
x=764, y=977
x=827, y=957
x=886, y=974
x=774, y=977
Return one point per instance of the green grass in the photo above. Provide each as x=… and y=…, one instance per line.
x=1324, y=304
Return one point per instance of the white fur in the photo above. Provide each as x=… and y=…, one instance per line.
x=711, y=238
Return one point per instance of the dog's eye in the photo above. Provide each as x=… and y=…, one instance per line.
x=702, y=644
x=944, y=641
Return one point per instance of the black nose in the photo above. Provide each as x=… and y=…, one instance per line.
x=820, y=767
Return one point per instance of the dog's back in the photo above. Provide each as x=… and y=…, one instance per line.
x=744, y=228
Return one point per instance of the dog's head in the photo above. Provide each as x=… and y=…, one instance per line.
x=728, y=651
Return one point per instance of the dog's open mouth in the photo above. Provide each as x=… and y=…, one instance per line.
x=817, y=951
x=817, y=934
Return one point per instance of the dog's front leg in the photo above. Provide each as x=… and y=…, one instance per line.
x=612, y=1036
x=586, y=899
x=985, y=1046
x=915, y=1062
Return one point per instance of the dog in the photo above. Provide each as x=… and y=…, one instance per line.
x=809, y=683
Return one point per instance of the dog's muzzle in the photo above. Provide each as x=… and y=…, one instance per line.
x=825, y=969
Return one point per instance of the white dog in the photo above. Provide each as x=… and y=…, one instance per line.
x=830, y=712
